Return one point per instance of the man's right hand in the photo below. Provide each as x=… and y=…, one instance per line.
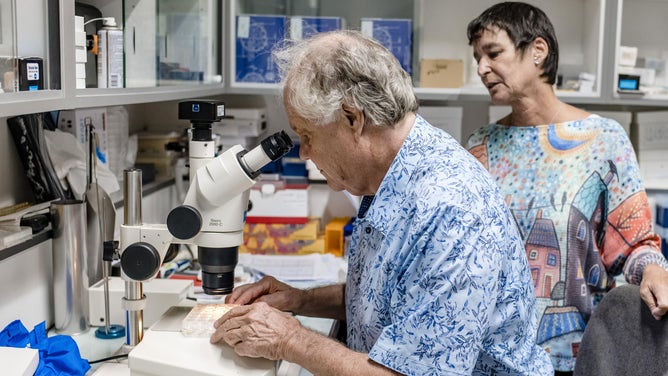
x=269, y=290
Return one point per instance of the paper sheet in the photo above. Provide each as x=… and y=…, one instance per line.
x=313, y=267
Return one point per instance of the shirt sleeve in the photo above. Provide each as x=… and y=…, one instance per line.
x=629, y=243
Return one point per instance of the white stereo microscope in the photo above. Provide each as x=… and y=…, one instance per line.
x=212, y=218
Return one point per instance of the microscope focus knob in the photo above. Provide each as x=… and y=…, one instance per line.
x=140, y=261
x=184, y=222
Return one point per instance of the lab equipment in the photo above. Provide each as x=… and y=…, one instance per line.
x=161, y=294
x=211, y=217
x=70, y=278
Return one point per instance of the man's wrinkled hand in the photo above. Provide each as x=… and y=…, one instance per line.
x=256, y=330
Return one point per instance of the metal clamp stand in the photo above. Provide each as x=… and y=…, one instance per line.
x=108, y=331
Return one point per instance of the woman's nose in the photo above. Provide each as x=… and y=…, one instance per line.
x=483, y=67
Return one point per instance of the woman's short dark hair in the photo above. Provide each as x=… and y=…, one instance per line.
x=523, y=23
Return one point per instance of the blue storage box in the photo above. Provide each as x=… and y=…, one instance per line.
x=302, y=27
x=256, y=37
x=395, y=34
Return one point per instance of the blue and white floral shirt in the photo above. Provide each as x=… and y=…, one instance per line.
x=438, y=282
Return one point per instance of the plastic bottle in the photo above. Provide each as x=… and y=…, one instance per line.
x=110, y=55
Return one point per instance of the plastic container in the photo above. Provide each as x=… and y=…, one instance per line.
x=110, y=72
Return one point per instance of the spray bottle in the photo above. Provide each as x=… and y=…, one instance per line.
x=110, y=55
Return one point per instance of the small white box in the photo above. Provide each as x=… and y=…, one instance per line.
x=246, y=113
x=81, y=83
x=80, y=70
x=78, y=23
x=80, y=55
x=161, y=294
x=628, y=56
x=247, y=143
x=80, y=39
x=240, y=127
x=278, y=205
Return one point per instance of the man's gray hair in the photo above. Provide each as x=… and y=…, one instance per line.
x=338, y=68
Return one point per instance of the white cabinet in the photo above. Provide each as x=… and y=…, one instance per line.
x=578, y=24
x=177, y=49
x=641, y=25
x=172, y=52
x=439, y=32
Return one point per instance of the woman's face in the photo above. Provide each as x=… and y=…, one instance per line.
x=507, y=74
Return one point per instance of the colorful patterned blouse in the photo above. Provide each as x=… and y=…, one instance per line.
x=575, y=193
x=438, y=281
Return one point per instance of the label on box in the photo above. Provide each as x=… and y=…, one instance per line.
x=304, y=27
x=30, y=74
x=441, y=73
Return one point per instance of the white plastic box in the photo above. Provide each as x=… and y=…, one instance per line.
x=278, y=205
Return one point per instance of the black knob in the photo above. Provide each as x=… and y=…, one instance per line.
x=184, y=222
x=140, y=261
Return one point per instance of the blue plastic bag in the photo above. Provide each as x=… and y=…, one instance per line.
x=58, y=355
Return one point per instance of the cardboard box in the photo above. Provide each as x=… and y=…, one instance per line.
x=256, y=36
x=395, y=34
x=283, y=239
x=303, y=27
x=443, y=73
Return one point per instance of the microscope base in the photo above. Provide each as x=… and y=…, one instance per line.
x=164, y=351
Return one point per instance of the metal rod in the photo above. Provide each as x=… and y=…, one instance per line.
x=132, y=191
x=105, y=275
x=134, y=319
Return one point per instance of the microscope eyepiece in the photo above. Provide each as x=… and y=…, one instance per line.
x=276, y=145
x=270, y=149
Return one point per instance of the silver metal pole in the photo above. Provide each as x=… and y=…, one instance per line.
x=132, y=193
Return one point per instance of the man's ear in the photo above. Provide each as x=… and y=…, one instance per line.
x=354, y=116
